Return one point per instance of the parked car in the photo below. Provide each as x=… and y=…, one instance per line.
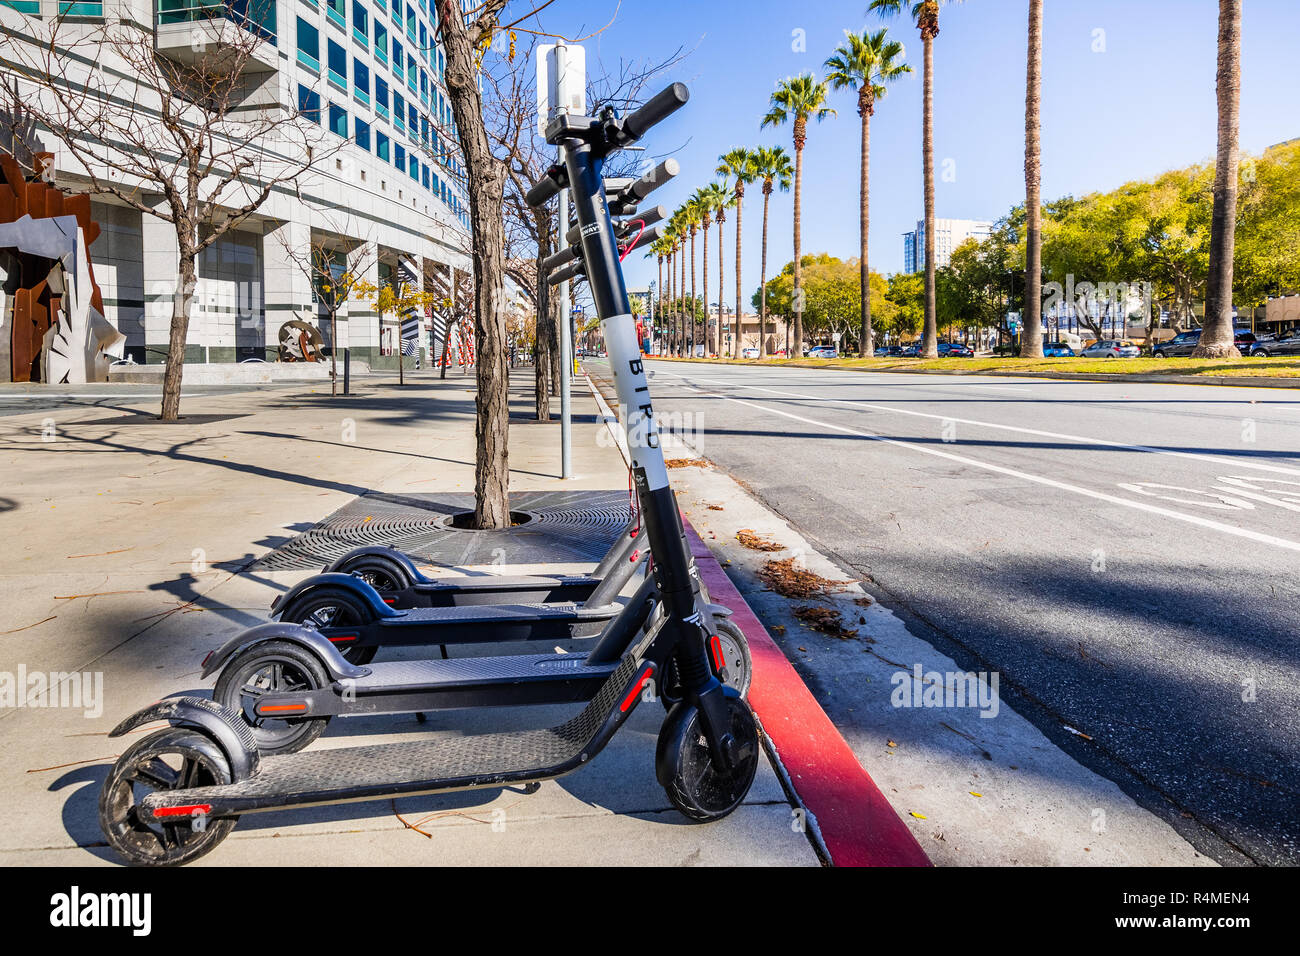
x=1057, y=350
x=1285, y=344
x=823, y=351
x=961, y=350
x=911, y=351
x=750, y=352
x=1112, y=348
x=889, y=351
x=1184, y=343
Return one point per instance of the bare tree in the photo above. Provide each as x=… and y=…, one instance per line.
x=200, y=126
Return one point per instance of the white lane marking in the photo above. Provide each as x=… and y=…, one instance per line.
x=1036, y=479
x=1214, y=459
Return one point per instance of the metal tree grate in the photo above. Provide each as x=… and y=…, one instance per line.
x=563, y=526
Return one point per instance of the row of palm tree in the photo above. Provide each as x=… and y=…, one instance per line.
x=867, y=63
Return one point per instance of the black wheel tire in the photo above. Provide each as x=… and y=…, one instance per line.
x=170, y=759
x=685, y=768
x=1161, y=355
x=385, y=575
x=333, y=606
x=1261, y=353
x=273, y=666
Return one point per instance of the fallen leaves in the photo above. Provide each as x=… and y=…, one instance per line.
x=756, y=542
x=919, y=816
x=824, y=619
x=684, y=463
x=788, y=579
x=716, y=508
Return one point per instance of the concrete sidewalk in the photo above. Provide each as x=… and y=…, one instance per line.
x=127, y=541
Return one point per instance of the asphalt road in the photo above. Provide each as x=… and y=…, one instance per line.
x=1126, y=556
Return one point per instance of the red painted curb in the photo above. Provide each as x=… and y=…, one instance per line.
x=857, y=824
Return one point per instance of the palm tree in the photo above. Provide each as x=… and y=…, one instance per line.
x=795, y=100
x=715, y=197
x=925, y=14
x=1217, y=336
x=738, y=163
x=1031, y=342
x=772, y=166
x=692, y=217
x=672, y=241
x=866, y=62
x=703, y=201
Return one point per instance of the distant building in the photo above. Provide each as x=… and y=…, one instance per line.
x=948, y=235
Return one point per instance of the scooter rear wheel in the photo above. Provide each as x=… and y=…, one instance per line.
x=273, y=667
x=332, y=606
x=384, y=575
x=695, y=785
x=172, y=759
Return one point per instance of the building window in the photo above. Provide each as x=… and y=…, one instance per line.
x=309, y=104
x=381, y=96
x=424, y=87
x=398, y=65
x=362, y=134
x=338, y=66
x=410, y=73
x=361, y=81
x=424, y=175
x=399, y=156
x=336, y=13
x=381, y=42
x=424, y=39
x=413, y=122
x=399, y=111
x=381, y=146
x=414, y=169
x=410, y=21
x=360, y=24
x=77, y=9
x=308, y=45
x=338, y=120
x=29, y=7
x=397, y=12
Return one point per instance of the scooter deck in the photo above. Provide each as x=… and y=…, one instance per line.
x=487, y=614
x=410, y=768
x=496, y=582
x=478, y=623
x=471, y=671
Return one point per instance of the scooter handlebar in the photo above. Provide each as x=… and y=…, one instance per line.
x=543, y=189
x=662, y=105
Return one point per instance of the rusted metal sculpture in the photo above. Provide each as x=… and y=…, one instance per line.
x=55, y=330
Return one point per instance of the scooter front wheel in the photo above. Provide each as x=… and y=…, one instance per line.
x=383, y=574
x=177, y=758
x=695, y=784
x=332, y=606
x=273, y=667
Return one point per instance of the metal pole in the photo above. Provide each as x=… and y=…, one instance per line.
x=566, y=339
x=566, y=353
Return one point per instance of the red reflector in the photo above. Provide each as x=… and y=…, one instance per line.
x=635, y=555
x=189, y=811
x=207, y=657
x=635, y=692
x=719, y=661
x=390, y=600
x=343, y=638
x=280, y=708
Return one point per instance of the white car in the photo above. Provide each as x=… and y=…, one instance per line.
x=750, y=352
x=1112, y=348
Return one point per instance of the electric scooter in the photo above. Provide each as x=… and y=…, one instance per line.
x=177, y=793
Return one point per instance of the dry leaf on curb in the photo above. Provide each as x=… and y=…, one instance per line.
x=755, y=542
x=919, y=816
x=824, y=619
x=892, y=743
x=789, y=579
x=778, y=629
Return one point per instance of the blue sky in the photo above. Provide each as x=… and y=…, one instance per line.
x=1143, y=105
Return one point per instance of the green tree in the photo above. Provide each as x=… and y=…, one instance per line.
x=866, y=62
x=795, y=101
x=738, y=165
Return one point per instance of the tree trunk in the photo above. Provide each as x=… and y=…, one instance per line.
x=691, y=310
x=797, y=298
x=864, y=223
x=717, y=334
x=182, y=302
x=930, y=337
x=740, y=309
x=1217, y=336
x=541, y=343
x=762, y=279
x=708, y=339
x=659, y=313
x=1031, y=343
x=485, y=178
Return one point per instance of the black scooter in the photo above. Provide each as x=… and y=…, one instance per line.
x=358, y=616
x=177, y=793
